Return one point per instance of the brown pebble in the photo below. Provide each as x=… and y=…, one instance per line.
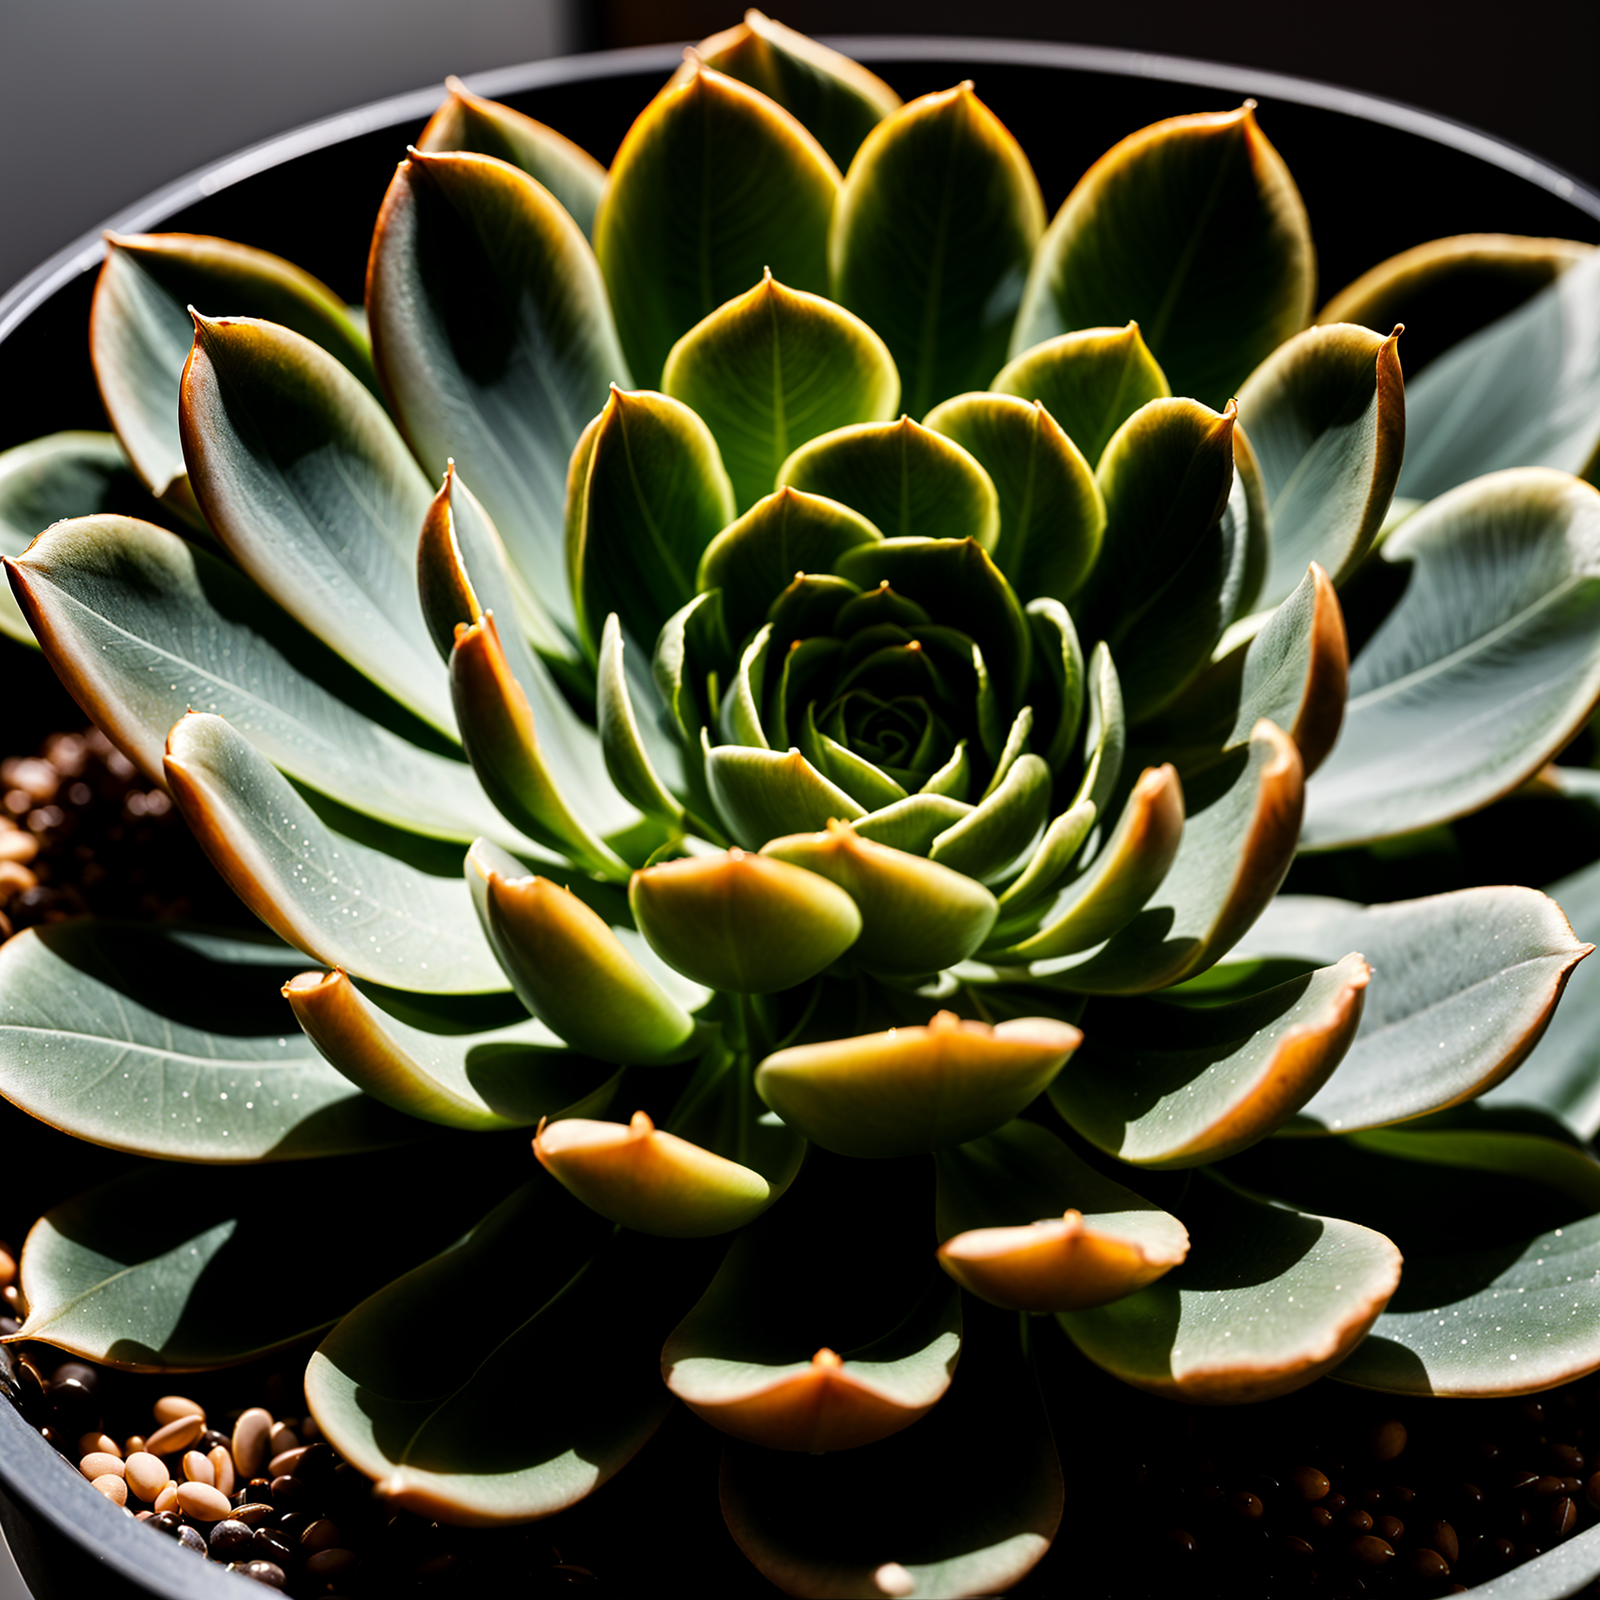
x=147, y=1475
x=1310, y=1484
x=284, y=1463
x=1569, y=1458
x=1441, y=1536
x=172, y=1406
x=281, y=1437
x=1546, y=1486
x=330, y=1563
x=1390, y=1529
x=1386, y=1439
x=133, y=1444
x=253, y=1512
x=1247, y=1505
x=198, y=1469
x=1426, y=1566
x=1321, y=1517
x=1371, y=1551
x=101, y=1443
x=1358, y=1521
x=110, y=1484
x=100, y=1463
x=176, y=1436
x=1294, y=1545
x=1560, y=1518
x=323, y=1534
x=250, y=1435
x=203, y=1502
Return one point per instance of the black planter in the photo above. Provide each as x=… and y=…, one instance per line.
x=1376, y=178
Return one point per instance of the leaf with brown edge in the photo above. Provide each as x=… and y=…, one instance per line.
x=1326, y=415
x=1269, y=1299
x=467, y=122
x=1164, y=1086
x=1194, y=229
x=936, y=221
x=140, y=333
x=713, y=184
x=1027, y=1224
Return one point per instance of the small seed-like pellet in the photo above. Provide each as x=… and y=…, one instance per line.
x=101, y=1442
x=323, y=1534
x=167, y=1499
x=198, y=1469
x=253, y=1512
x=8, y=1268
x=281, y=1438
x=221, y=1459
x=203, y=1502
x=284, y=1463
x=308, y=1430
x=175, y=1436
x=250, y=1439
x=330, y=1563
x=147, y=1475
x=110, y=1484
x=133, y=1444
x=100, y=1464
x=172, y=1406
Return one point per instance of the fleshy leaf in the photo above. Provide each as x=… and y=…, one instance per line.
x=916, y=916
x=345, y=903
x=1029, y=1225
x=713, y=184
x=1059, y=687
x=987, y=841
x=440, y=1067
x=140, y=333
x=1268, y=1299
x=773, y=369
x=1465, y=986
x=907, y=480
x=762, y=794
x=142, y=626
x=1090, y=381
x=914, y=1089
x=1164, y=1086
x=170, y=1042
x=1051, y=513
x=628, y=756
x=1194, y=228
x=836, y=98
x=308, y=485
x=468, y=122
x=487, y=1446
x=747, y=923
x=1484, y=669
x=496, y=346
x=155, y=1271
x=655, y=494
x=1326, y=415
x=935, y=225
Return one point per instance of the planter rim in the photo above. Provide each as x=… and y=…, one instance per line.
x=86, y=252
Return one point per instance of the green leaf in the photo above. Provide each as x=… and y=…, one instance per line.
x=914, y=823
x=1268, y=1299
x=964, y=1503
x=713, y=184
x=1106, y=737
x=1193, y=228
x=1059, y=687
x=1051, y=513
x=907, y=480
x=773, y=369
x=627, y=753
x=345, y=903
x=1028, y=1224
x=140, y=334
x=492, y=333
x=653, y=498
x=305, y=481
x=1090, y=381
x=1054, y=855
x=155, y=1271
x=170, y=1042
x=1326, y=414
x=476, y=1072
x=511, y=1430
x=142, y=626
x=1464, y=985
x=836, y=98
x=1485, y=668
x=762, y=794
x=1160, y=1085
x=466, y=122
x=50, y=479
x=936, y=222
x=988, y=839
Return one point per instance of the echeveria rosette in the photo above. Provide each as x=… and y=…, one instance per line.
x=869, y=647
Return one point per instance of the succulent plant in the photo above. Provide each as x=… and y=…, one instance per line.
x=869, y=646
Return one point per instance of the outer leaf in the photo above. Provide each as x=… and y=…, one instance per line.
x=1326, y=414
x=46, y=480
x=713, y=184
x=935, y=225
x=1091, y=382
x=1525, y=392
x=836, y=98
x=344, y=903
x=142, y=626
x=480, y=1444
x=306, y=482
x=1193, y=228
x=140, y=333
x=1466, y=983
x=493, y=336
x=1161, y=1086
x=467, y=122
x=169, y=1042
x=773, y=369
x=440, y=1067
x=1051, y=513
x=1268, y=1299
x=1485, y=668
x=154, y=1271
